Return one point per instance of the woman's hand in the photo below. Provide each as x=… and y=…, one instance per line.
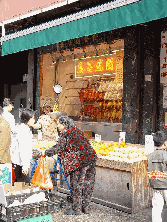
x=25, y=172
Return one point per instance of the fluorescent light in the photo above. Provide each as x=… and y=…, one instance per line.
x=108, y=74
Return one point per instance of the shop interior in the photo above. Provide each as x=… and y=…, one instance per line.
x=11, y=85
x=94, y=95
x=92, y=84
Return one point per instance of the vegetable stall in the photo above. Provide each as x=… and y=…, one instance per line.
x=121, y=175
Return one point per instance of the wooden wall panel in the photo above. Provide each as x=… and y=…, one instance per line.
x=69, y=98
x=48, y=76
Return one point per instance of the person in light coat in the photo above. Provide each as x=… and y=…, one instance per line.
x=5, y=138
x=46, y=124
x=7, y=108
x=22, y=151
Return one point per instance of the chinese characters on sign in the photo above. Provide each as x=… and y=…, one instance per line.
x=163, y=58
x=95, y=66
x=156, y=175
x=163, y=67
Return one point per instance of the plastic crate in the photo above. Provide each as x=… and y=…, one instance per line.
x=20, y=197
x=45, y=218
x=28, y=211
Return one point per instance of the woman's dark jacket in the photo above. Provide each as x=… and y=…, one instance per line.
x=74, y=150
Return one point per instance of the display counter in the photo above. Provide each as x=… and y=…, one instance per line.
x=108, y=131
x=120, y=184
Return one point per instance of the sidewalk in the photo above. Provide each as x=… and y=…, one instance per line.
x=99, y=213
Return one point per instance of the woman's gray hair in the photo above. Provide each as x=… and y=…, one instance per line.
x=68, y=122
x=7, y=102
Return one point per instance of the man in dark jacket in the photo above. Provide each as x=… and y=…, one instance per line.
x=157, y=168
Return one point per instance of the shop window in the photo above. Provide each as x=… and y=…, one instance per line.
x=101, y=100
x=92, y=80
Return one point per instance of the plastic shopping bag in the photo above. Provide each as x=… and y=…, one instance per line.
x=41, y=176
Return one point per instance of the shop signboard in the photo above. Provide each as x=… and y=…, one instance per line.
x=95, y=66
x=163, y=58
x=5, y=174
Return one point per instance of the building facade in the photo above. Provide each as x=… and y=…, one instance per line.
x=116, y=33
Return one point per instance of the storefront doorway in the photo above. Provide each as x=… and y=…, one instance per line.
x=11, y=85
x=19, y=96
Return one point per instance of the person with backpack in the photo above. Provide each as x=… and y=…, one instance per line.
x=157, y=169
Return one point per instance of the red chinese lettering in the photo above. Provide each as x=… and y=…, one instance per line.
x=164, y=45
x=163, y=74
x=163, y=66
x=163, y=38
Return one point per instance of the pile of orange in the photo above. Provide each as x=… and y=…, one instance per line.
x=104, y=149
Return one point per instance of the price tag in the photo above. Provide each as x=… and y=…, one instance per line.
x=39, y=135
x=149, y=143
x=122, y=137
x=97, y=138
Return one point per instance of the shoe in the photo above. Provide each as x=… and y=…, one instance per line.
x=72, y=212
x=85, y=211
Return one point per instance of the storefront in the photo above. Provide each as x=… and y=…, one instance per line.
x=108, y=64
x=91, y=77
x=130, y=40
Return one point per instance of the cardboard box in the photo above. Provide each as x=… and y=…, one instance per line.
x=88, y=134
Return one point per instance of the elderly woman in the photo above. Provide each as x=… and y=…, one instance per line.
x=47, y=125
x=78, y=160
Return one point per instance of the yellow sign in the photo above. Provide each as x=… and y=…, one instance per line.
x=95, y=65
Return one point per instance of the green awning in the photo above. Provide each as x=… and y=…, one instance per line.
x=133, y=14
